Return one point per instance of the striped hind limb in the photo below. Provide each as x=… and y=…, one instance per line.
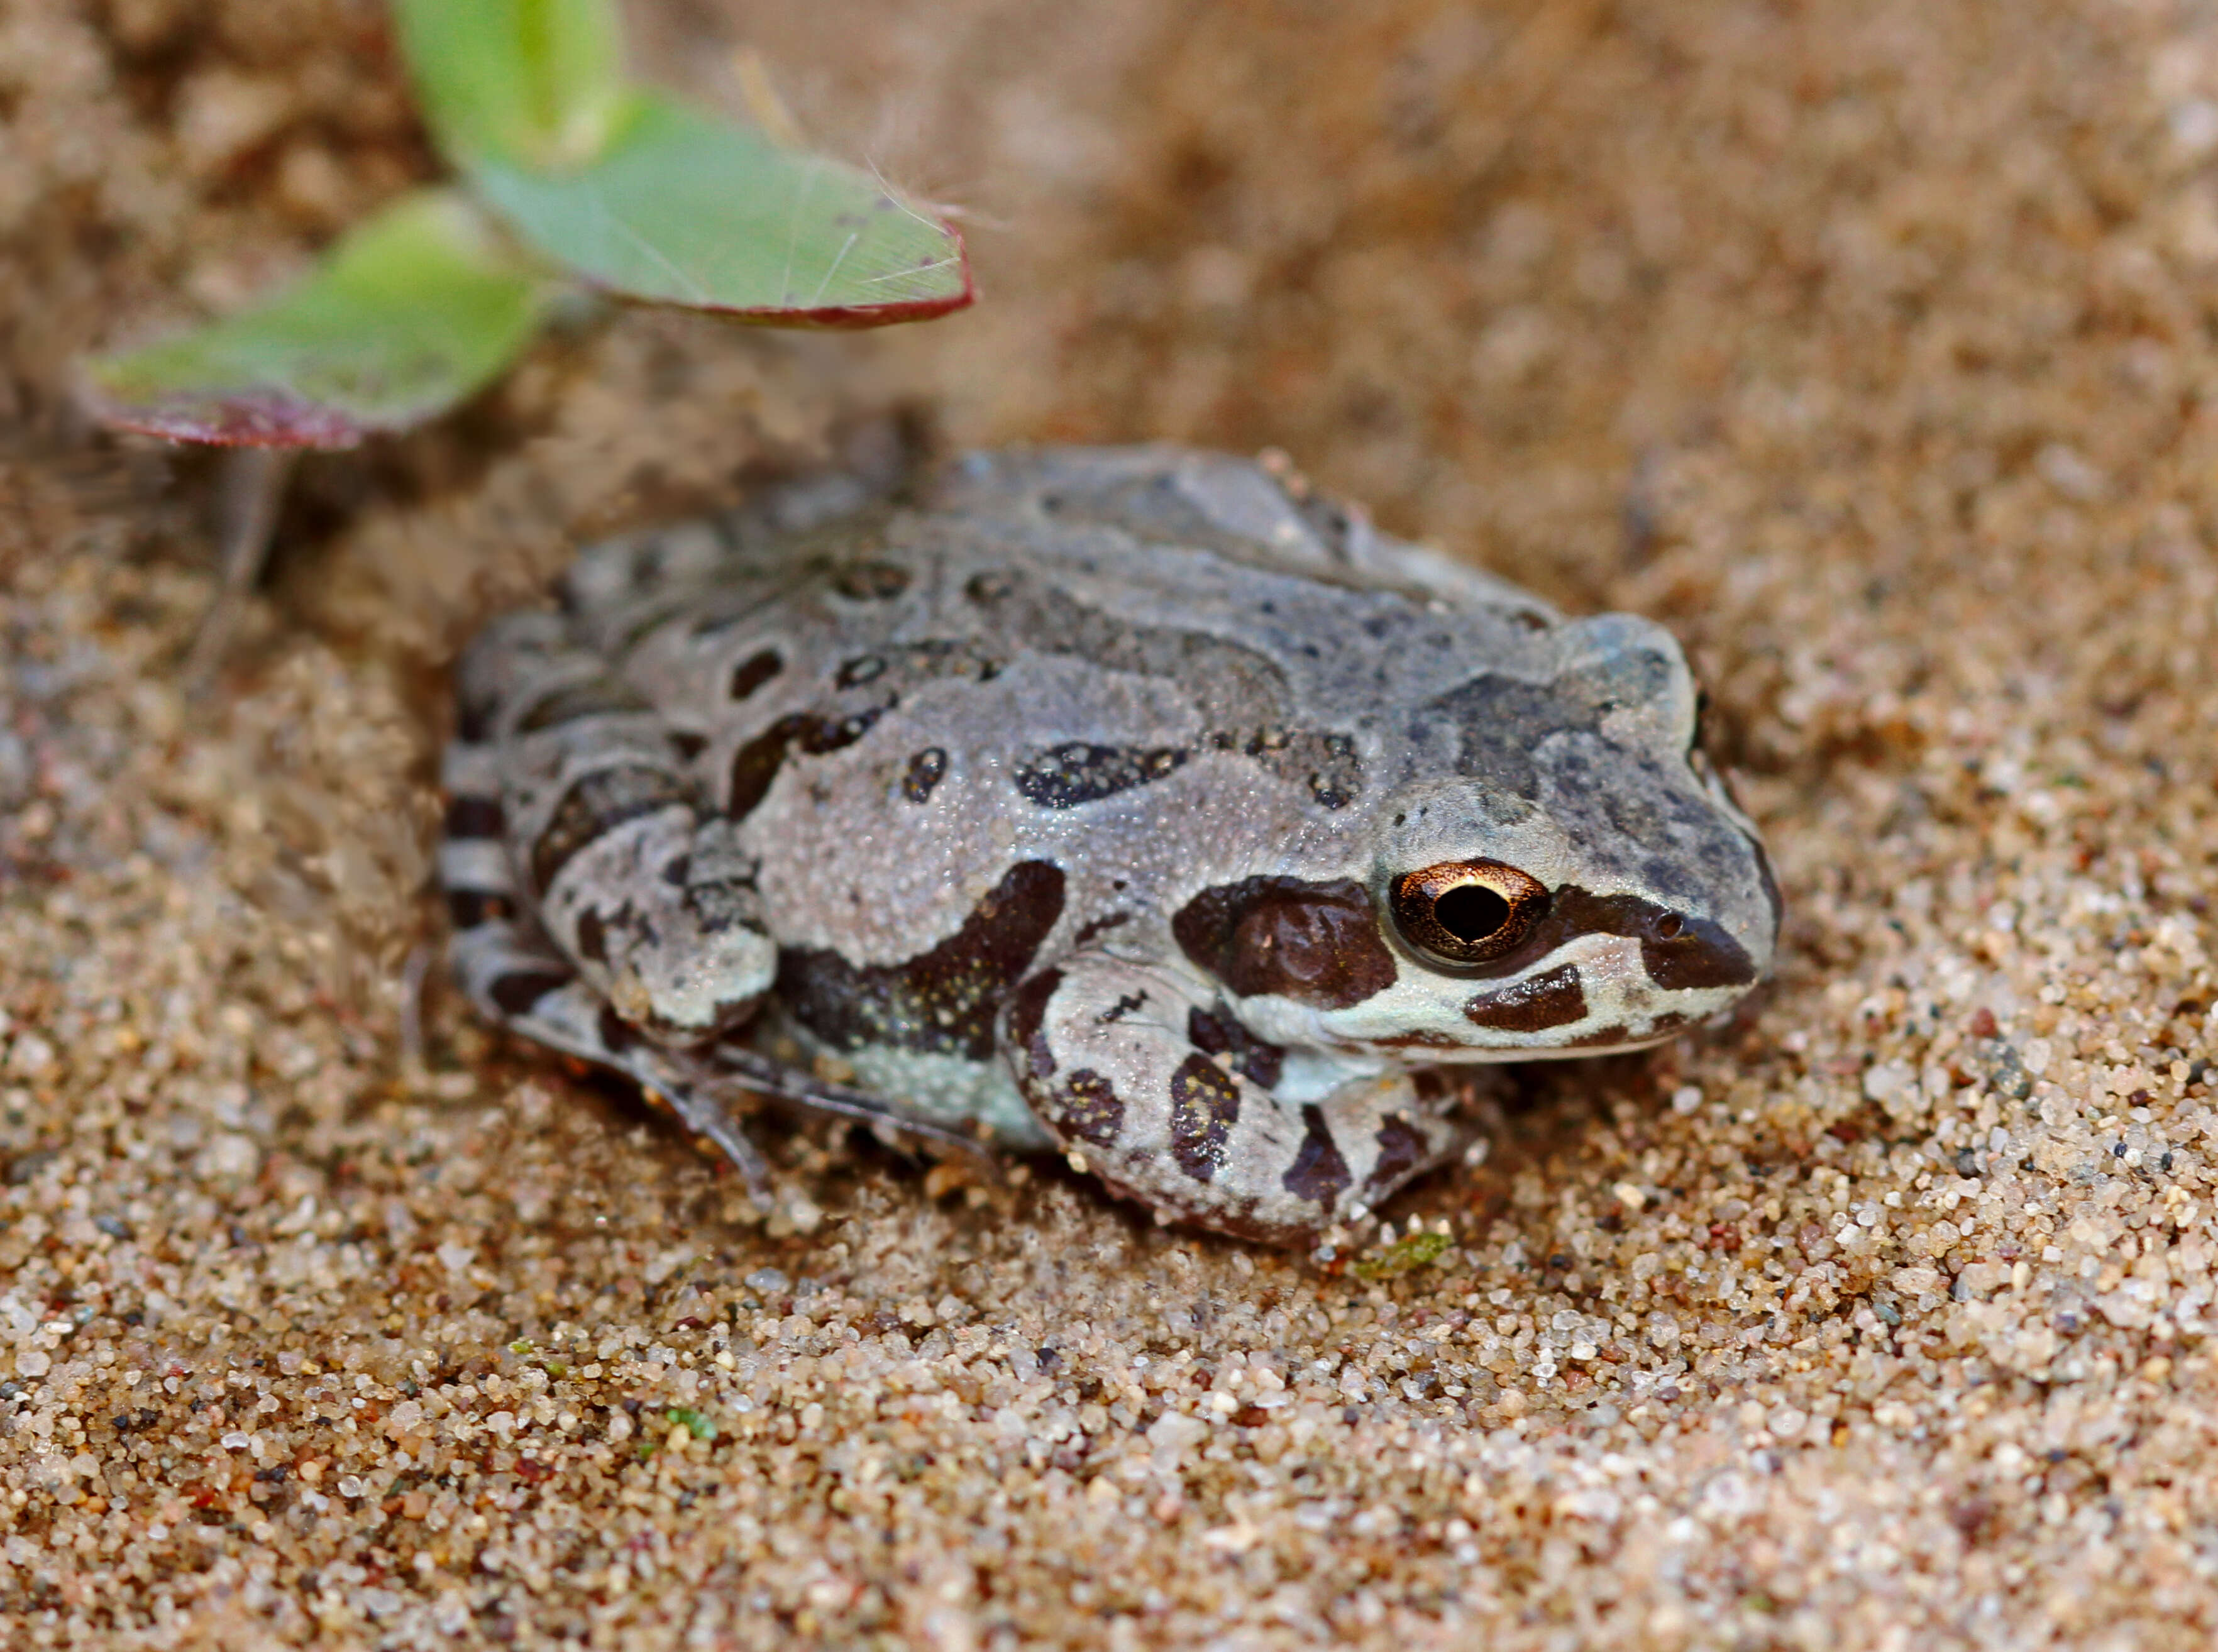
x=566, y=791
x=531, y=990
x=526, y=987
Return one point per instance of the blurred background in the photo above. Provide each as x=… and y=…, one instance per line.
x=1867, y=343
x=1489, y=267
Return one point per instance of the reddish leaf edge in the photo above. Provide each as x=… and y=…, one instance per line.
x=262, y=418
x=834, y=318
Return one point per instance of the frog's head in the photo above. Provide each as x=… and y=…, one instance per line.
x=1561, y=874
x=1581, y=881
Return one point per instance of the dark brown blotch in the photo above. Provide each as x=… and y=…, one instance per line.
x=595, y=806
x=1215, y=1035
x=475, y=817
x=1423, y=1038
x=755, y=765
x=1317, y=944
x=757, y=669
x=1205, y=1106
x=594, y=936
x=616, y=1034
x=467, y=909
x=942, y=1001
x=1101, y=926
x=1319, y=1173
x=923, y=773
x=870, y=582
x=518, y=990
x=1403, y=1152
x=1658, y=1027
x=1086, y=1105
x=1027, y=1026
x=1554, y=998
x=1075, y=772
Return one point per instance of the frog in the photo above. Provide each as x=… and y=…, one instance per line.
x=1146, y=805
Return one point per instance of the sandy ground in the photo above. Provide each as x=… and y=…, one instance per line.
x=1867, y=343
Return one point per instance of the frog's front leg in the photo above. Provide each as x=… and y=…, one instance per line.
x=1143, y=1077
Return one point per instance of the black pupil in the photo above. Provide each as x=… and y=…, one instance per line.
x=1471, y=911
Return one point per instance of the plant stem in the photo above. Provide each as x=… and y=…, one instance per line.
x=253, y=482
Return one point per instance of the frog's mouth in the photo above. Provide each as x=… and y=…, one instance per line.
x=1610, y=991
x=1594, y=996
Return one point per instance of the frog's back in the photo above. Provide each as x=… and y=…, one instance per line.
x=1150, y=666
x=1050, y=504
x=1264, y=603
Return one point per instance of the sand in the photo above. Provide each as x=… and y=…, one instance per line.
x=1867, y=344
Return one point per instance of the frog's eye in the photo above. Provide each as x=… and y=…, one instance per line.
x=1466, y=912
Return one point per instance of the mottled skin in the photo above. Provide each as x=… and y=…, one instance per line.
x=1102, y=798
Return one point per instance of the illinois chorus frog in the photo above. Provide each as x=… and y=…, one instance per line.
x=1135, y=802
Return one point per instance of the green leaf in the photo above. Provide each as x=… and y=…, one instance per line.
x=410, y=314
x=532, y=83
x=682, y=209
x=647, y=198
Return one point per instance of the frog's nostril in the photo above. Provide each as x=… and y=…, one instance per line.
x=1471, y=912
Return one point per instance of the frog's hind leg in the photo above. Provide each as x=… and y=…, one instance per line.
x=516, y=980
x=1153, y=1087
x=524, y=985
x=564, y=766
